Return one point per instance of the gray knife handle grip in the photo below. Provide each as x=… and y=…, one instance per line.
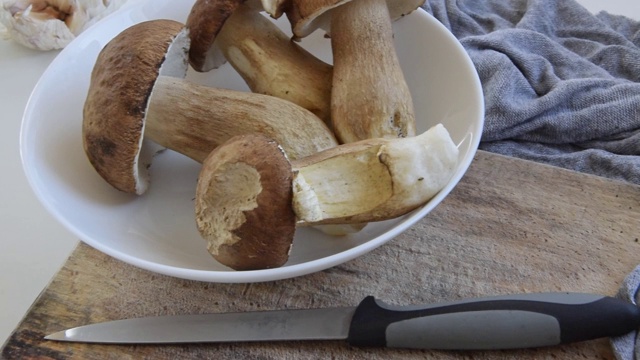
x=503, y=322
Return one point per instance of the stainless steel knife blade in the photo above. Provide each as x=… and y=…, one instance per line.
x=500, y=322
x=304, y=324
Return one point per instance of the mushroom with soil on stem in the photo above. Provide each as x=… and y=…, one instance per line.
x=365, y=181
x=370, y=97
x=138, y=99
x=265, y=57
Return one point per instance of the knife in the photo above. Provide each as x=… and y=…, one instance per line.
x=499, y=322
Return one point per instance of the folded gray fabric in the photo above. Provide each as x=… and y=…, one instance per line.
x=561, y=85
x=627, y=347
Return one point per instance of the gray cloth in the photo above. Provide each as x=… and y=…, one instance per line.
x=561, y=85
x=627, y=347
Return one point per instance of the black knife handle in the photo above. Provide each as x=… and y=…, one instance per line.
x=502, y=322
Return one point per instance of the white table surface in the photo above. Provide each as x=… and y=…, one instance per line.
x=34, y=245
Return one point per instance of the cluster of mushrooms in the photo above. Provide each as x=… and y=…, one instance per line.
x=312, y=144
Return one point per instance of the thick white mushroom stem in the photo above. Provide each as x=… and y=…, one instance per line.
x=370, y=97
x=194, y=119
x=372, y=180
x=272, y=64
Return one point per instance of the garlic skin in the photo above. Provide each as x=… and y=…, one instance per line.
x=51, y=24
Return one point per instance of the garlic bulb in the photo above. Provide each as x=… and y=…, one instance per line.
x=51, y=24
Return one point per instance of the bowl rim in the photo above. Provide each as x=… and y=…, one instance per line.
x=286, y=271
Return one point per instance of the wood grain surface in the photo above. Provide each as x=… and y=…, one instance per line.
x=510, y=226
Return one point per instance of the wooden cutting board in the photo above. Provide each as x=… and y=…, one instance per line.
x=510, y=226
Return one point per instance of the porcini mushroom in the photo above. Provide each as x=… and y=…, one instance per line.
x=369, y=180
x=370, y=97
x=51, y=24
x=244, y=189
x=265, y=57
x=138, y=98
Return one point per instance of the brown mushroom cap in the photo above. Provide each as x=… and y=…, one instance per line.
x=243, y=203
x=204, y=23
x=306, y=16
x=121, y=83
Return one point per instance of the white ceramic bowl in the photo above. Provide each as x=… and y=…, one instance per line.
x=157, y=231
